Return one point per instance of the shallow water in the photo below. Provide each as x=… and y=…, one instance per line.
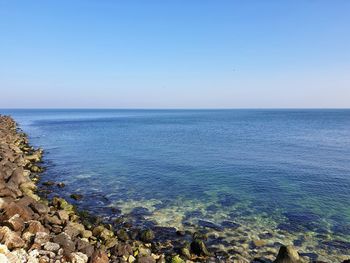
x=285, y=172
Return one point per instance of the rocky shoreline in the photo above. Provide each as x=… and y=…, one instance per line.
x=36, y=229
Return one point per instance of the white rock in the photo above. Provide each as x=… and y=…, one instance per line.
x=3, y=259
x=78, y=257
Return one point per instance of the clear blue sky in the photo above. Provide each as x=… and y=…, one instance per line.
x=175, y=54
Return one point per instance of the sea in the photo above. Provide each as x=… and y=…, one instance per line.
x=281, y=175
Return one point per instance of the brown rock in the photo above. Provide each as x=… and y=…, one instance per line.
x=10, y=239
x=65, y=242
x=24, y=212
x=99, y=257
x=85, y=247
x=41, y=238
x=35, y=227
x=16, y=223
x=39, y=208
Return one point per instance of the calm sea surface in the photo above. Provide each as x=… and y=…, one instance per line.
x=267, y=170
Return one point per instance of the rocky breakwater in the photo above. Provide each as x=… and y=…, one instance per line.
x=34, y=229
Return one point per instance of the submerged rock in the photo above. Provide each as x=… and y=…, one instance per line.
x=76, y=197
x=199, y=248
x=147, y=235
x=287, y=254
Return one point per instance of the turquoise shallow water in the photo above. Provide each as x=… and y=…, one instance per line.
x=284, y=171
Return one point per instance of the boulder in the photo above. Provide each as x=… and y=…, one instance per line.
x=287, y=254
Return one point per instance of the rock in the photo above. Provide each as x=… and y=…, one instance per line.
x=53, y=220
x=11, y=239
x=3, y=249
x=99, y=257
x=65, y=242
x=63, y=215
x=186, y=252
x=259, y=243
x=146, y=259
x=102, y=232
x=131, y=259
x=74, y=229
x=61, y=185
x=49, y=183
x=177, y=259
x=287, y=254
x=85, y=247
x=39, y=208
x=122, y=235
x=41, y=238
x=199, y=248
x=122, y=250
x=78, y=257
x=23, y=211
x=16, y=223
x=111, y=242
x=3, y=259
x=147, y=235
x=50, y=246
x=76, y=197
x=86, y=234
x=35, y=227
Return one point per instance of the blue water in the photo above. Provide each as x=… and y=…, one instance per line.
x=285, y=170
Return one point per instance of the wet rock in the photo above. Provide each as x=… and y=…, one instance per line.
x=76, y=197
x=208, y=224
x=177, y=259
x=287, y=254
x=199, y=248
x=147, y=235
x=181, y=233
x=259, y=243
x=229, y=224
x=49, y=183
x=122, y=249
x=186, y=252
x=61, y=185
x=99, y=257
x=122, y=235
